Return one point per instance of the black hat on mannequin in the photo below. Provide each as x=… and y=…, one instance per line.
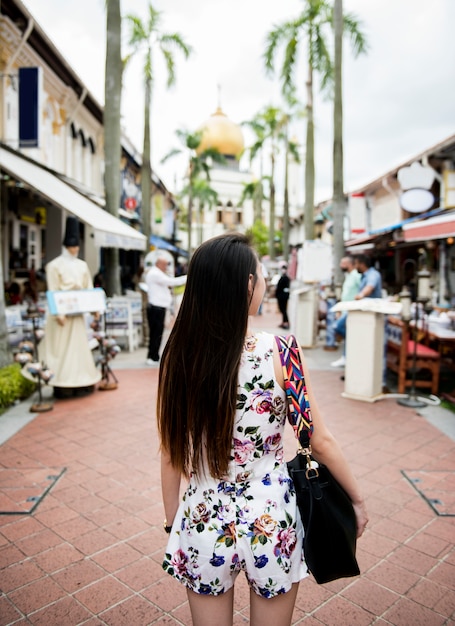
x=71, y=232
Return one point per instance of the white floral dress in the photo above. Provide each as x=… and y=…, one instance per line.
x=249, y=521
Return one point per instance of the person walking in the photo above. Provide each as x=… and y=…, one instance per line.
x=221, y=414
x=349, y=291
x=282, y=293
x=159, y=299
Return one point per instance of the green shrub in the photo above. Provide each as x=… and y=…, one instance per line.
x=448, y=405
x=13, y=386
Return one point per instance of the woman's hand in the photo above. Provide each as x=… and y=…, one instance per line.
x=170, y=486
x=61, y=319
x=361, y=516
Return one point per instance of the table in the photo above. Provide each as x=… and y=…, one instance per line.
x=441, y=339
x=437, y=333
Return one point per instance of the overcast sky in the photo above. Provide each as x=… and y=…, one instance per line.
x=399, y=99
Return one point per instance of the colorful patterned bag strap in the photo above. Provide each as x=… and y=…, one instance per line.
x=296, y=391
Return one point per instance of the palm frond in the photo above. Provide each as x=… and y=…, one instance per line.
x=170, y=65
x=126, y=59
x=214, y=154
x=256, y=148
x=288, y=67
x=176, y=41
x=248, y=191
x=293, y=148
x=137, y=33
x=203, y=192
x=272, y=41
x=322, y=61
x=174, y=152
x=193, y=140
x=146, y=34
x=154, y=19
x=202, y=166
x=352, y=26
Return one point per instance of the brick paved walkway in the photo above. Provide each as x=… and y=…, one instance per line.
x=90, y=552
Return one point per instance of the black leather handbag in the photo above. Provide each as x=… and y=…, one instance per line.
x=325, y=508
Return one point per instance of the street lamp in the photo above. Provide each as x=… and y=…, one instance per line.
x=405, y=299
x=423, y=296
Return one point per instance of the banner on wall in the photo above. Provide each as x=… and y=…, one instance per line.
x=315, y=262
x=30, y=80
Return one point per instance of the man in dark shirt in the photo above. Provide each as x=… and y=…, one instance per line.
x=282, y=295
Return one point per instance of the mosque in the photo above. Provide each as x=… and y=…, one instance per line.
x=227, y=179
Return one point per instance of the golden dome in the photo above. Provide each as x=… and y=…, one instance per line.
x=221, y=133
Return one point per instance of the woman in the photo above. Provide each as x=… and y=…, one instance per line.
x=221, y=415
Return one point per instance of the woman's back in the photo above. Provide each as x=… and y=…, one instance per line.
x=248, y=520
x=220, y=406
x=261, y=409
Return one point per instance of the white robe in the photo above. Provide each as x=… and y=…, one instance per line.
x=65, y=349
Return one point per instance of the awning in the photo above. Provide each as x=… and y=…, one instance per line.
x=132, y=216
x=369, y=239
x=109, y=231
x=365, y=242
x=433, y=228
x=159, y=242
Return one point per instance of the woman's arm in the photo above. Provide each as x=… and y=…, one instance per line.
x=170, y=487
x=327, y=450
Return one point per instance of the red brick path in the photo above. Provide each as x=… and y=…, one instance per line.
x=91, y=551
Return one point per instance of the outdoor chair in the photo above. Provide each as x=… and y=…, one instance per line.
x=120, y=323
x=400, y=358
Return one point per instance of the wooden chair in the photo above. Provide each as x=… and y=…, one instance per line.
x=400, y=358
x=120, y=323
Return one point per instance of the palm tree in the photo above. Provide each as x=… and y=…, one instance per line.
x=206, y=196
x=260, y=237
x=198, y=164
x=291, y=152
x=338, y=192
x=254, y=191
x=147, y=36
x=269, y=124
x=112, y=143
x=257, y=191
x=351, y=24
x=310, y=26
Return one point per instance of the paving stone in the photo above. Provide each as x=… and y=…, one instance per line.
x=93, y=547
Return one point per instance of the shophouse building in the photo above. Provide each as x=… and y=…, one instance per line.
x=52, y=158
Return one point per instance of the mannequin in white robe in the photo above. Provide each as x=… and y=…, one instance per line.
x=65, y=348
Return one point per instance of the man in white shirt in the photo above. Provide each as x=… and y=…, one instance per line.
x=159, y=300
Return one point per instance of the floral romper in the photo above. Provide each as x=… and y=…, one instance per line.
x=248, y=521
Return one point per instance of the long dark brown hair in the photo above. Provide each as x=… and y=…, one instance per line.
x=198, y=379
